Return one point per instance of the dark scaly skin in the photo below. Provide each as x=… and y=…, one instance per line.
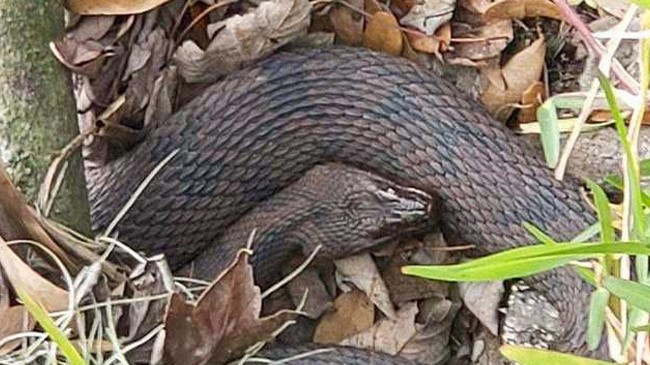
x=260, y=129
x=339, y=208
x=335, y=355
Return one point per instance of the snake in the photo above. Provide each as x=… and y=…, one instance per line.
x=260, y=129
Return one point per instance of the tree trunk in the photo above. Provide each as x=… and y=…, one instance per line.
x=37, y=109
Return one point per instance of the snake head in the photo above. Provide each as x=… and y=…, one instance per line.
x=357, y=210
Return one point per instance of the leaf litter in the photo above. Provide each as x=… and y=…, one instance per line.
x=143, y=65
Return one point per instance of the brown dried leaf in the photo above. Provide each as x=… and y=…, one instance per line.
x=428, y=15
x=241, y=40
x=404, y=288
x=223, y=323
x=85, y=58
x=383, y=34
x=91, y=28
x=430, y=345
x=521, y=71
x=474, y=6
x=424, y=44
x=520, y=9
x=20, y=275
x=17, y=221
x=372, y=6
x=348, y=23
x=361, y=271
x=387, y=335
x=492, y=72
x=162, y=97
x=401, y=7
x=111, y=7
x=482, y=299
x=491, y=40
x=531, y=100
x=14, y=320
x=444, y=36
x=615, y=7
x=353, y=313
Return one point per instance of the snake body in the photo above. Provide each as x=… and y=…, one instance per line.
x=260, y=129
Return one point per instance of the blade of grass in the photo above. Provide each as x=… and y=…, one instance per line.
x=522, y=261
x=44, y=320
x=539, y=235
x=634, y=293
x=631, y=167
x=531, y=356
x=603, y=210
x=597, y=307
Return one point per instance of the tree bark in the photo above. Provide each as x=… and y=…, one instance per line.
x=37, y=109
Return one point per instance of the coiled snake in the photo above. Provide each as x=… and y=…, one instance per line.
x=262, y=128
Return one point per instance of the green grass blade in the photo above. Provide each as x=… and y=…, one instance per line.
x=48, y=325
x=549, y=132
x=522, y=261
x=538, y=234
x=603, y=210
x=587, y=234
x=634, y=293
x=588, y=275
x=644, y=167
x=642, y=3
x=632, y=166
x=599, y=300
x=531, y=356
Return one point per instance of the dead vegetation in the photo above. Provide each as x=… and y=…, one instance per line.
x=135, y=62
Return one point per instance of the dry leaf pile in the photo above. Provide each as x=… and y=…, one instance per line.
x=138, y=62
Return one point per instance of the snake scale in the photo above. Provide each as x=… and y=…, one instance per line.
x=260, y=129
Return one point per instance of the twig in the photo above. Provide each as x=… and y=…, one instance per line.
x=595, y=46
x=604, y=65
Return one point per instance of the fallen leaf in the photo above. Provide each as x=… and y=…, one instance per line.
x=14, y=320
x=361, y=271
x=84, y=58
x=138, y=57
x=489, y=41
x=353, y=313
x=492, y=72
x=348, y=23
x=520, y=9
x=403, y=288
x=243, y=39
x=148, y=279
x=428, y=15
x=482, y=299
x=531, y=99
x=161, y=100
x=615, y=7
x=444, y=36
x=224, y=321
x=382, y=34
x=401, y=7
x=20, y=275
x=425, y=44
x=474, y=6
x=372, y=6
x=521, y=71
x=430, y=344
x=111, y=7
x=388, y=335
x=91, y=27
